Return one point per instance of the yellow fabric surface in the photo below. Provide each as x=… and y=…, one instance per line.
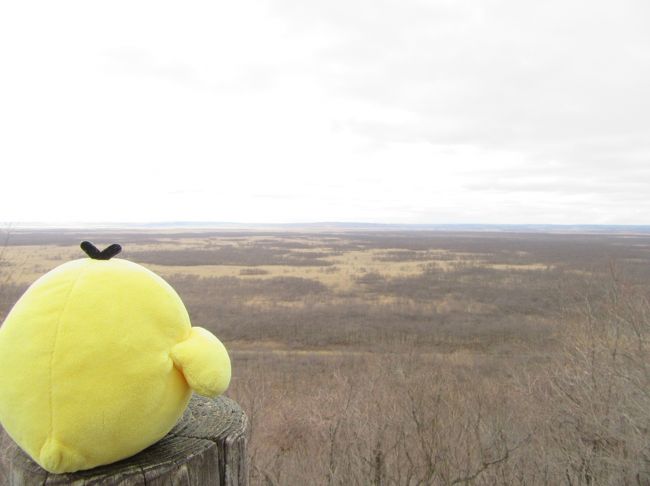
x=204, y=362
x=97, y=362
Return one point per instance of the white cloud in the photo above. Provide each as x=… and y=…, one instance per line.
x=275, y=111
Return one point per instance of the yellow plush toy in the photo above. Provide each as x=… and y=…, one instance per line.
x=98, y=360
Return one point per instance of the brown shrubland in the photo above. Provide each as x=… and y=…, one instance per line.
x=421, y=357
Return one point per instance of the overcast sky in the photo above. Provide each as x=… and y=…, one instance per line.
x=340, y=110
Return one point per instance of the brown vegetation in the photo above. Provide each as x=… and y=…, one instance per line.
x=422, y=357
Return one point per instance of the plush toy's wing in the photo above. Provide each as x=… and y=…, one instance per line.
x=204, y=361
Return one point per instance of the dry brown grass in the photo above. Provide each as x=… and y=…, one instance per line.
x=416, y=358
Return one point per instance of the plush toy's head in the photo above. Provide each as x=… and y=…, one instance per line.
x=98, y=360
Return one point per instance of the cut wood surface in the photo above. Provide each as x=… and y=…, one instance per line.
x=206, y=447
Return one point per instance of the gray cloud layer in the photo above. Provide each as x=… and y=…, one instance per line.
x=415, y=110
x=559, y=80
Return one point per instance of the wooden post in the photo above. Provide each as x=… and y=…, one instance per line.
x=206, y=447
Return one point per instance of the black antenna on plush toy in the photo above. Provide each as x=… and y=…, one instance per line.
x=106, y=254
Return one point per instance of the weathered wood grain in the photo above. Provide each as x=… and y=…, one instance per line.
x=206, y=447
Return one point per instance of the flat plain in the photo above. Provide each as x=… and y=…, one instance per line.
x=411, y=357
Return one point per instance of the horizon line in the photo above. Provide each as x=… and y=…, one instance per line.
x=184, y=224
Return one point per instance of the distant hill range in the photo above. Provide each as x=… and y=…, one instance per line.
x=337, y=226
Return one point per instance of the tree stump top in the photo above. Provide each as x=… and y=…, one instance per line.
x=207, y=446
